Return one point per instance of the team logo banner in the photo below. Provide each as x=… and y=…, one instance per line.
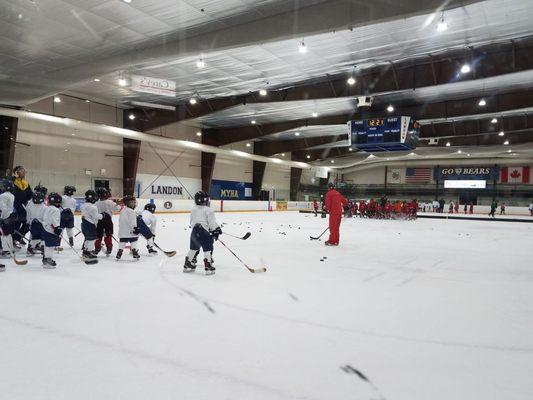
x=466, y=173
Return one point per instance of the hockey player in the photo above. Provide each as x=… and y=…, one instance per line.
x=204, y=231
x=68, y=206
x=89, y=219
x=147, y=222
x=8, y=217
x=35, y=219
x=335, y=203
x=128, y=232
x=52, y=229
x=106, y=207
x=22, y=192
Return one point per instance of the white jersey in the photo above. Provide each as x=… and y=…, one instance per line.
x=6, y=204
x=51, y=218
x=90, y=213
x=107, y=206
x=35, y=212
x=126, y=223
x=204, y=216
x=68, y=203
x=150, y=220
x=531, y=206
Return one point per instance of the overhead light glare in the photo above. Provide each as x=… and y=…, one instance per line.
x=253, y=121
x=57, y=99
x=482, y=103
x=193, y=101
x=502, y=133
x=448, y=144
x=465, y=69
x=390, y=108
x=131, y=116
x=315, y=114
x=248, y=144
x=200, y=63
x=350, y=149
x=198, y=133
x=87, y=101
x=308, y=156
x=296, y=133
x=506, y=143
x=96, y=80
x=494, y=121
x=332, y=161
x=122, y=82
x=351, y=81
x=509, y=151
x=283, y=154
x=263, y=92
x=459, y=151
x=127, y=1
x=442, y=25
x=302, y=48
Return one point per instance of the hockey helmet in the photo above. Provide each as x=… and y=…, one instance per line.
x=331, y=185
x=90, y=196
x=201, y=198
x=55, y=199
x=40, y=189
x=37, y=197
x=102, y=193
x=150, y=207
x=6, y=185
x=69, y=190
x=18, y=169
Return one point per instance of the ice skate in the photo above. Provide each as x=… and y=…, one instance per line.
x=119, y=254
x=30, y=252
x=328, y=243
x=108, y=252
x=48, y=263
x=71, y=241
x=135, y=254
x=189, y=265
x=2, y=267
x=209, y=268
x=151, y=250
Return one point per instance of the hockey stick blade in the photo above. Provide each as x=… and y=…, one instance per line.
x=246, y=236
x=18, y=262
x=256, y=270
x=167, y=253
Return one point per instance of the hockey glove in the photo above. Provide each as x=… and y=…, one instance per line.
x=58, y=230
x=216, y=233
x=136, y=231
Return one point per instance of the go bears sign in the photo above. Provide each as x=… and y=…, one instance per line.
x=466, y=173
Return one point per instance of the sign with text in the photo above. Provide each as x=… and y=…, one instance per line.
x=150, y=186
x=230, y=190
x=163, y=87
x=462, y=184
x=466, y=173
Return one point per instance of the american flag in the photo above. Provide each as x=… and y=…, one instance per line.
x=417, y=175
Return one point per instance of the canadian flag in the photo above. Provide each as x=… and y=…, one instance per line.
x=515, y=175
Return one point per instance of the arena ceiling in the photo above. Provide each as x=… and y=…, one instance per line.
x=394, y=52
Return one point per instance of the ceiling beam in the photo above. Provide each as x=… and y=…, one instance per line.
x=270, y=148
x=445, y=109
x=429, y=70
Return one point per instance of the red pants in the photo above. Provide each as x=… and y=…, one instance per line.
x=334, y=225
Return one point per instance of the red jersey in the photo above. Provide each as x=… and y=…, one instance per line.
x=335, y=202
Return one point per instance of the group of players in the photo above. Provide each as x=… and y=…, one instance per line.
x=47, y=216
x=381, y=209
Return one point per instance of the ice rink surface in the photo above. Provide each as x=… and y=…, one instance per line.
x=427, y=309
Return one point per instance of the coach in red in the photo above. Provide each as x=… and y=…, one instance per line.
x=335, y=203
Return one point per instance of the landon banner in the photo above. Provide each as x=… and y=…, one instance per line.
x=466, y=173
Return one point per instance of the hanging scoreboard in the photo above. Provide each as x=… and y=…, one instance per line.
x=384, y=134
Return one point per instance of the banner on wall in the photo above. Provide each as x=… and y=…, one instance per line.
x=230, y=190
x=150, y=186
x=321, y=172
x=395, y=175
x=466, y=173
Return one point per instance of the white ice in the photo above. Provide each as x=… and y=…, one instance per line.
x=427, y=309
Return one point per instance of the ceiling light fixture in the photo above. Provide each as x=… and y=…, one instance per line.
x=122, y=82
x=332, y=161
x=200, y=63
x=459, y=151
x=308, y=156
x=131, y=116
x=442, y=25
x=350, y=149
x=506, y=143
x=253, y=121
x=315, y=114
x=296, y=133
x=127, y=1
x=283, y=154
x=198, y=133
x=448, y=144
x=494, y=120
x=302, y=48
x=390, y=108
x=351, y=81
x=96, y=80
x=193, y=101
x=87, y=101
x=248, y=144
x=482, y=103
x=57, y=99
x=465, y=69
x=509, y=151
x=263, y=92
x=501, y=133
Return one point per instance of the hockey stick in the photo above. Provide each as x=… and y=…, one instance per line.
x=246, y=236
x=88, y=262
x=10, y=250
x=318, y=237
x=167, y=253
x=253, y=270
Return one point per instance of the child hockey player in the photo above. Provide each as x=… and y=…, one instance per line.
x=89, y=218
x=68, y=206
x=147, y=224
x=106, y=207
x=128, y=232
x=8, y=217
x=52, y=230
x=204, y=231
x=35, y=218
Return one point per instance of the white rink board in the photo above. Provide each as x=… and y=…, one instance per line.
x=427, y=309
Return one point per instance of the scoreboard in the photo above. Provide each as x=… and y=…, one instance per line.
x=384, y=134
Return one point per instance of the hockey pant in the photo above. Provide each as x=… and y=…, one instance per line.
x=89, y=233
x=37, y=233
x=200, y=238
x=104, y=227
x=51, y=241
x=131, y=240
x=145, y=231
x=67, y=222
x=334, y=225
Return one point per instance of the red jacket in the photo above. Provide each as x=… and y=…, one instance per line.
x=335, y=202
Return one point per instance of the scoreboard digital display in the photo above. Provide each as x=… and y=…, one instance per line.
x=384, y=134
